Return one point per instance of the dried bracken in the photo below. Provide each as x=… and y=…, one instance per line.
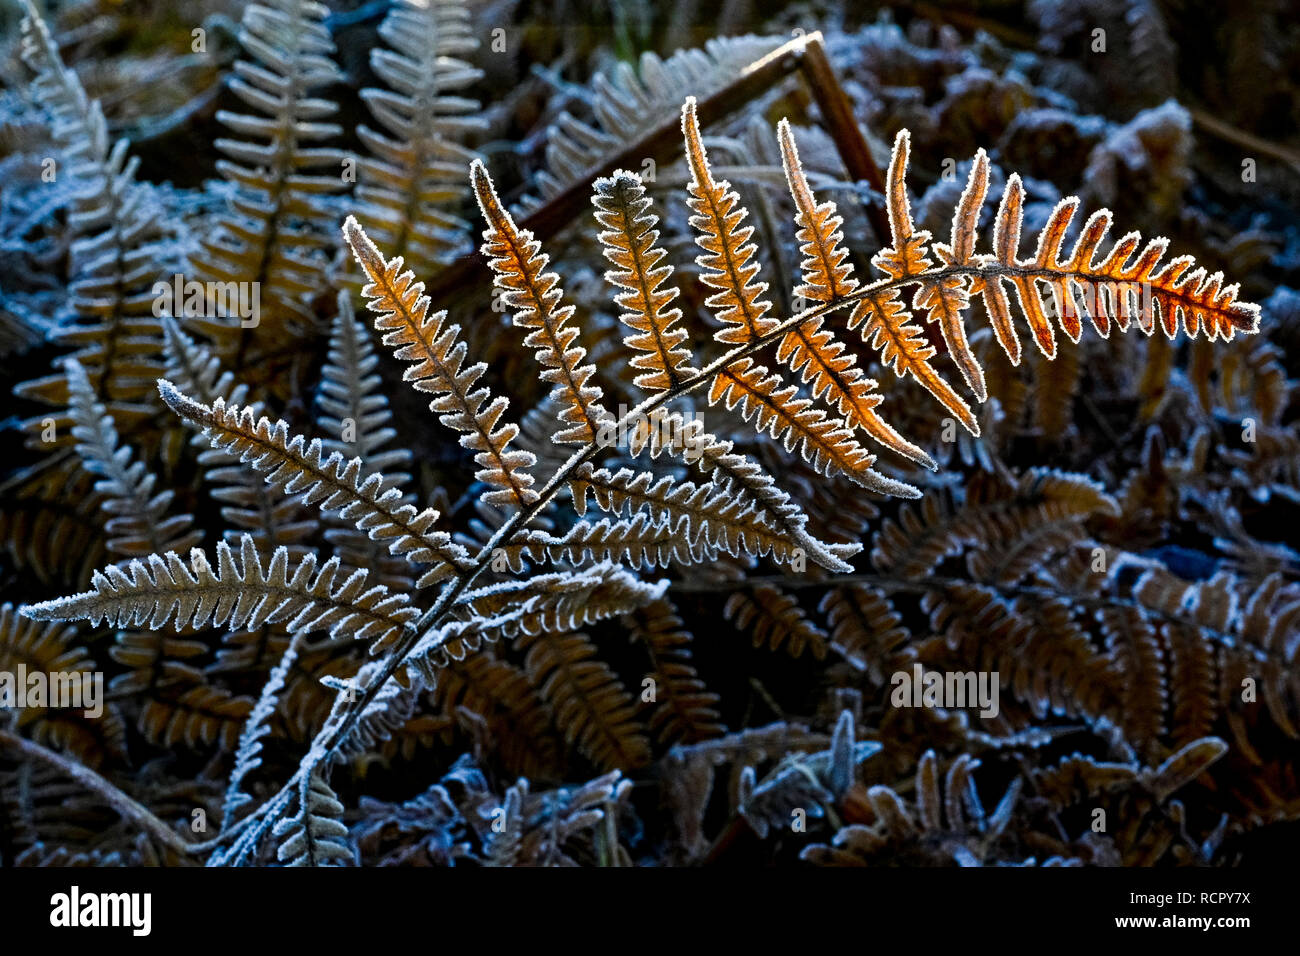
x=771, y=501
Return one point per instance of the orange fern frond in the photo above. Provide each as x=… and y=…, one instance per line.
x=520, y=277
x=629, y=238
x=402, y=313
x=773, y=407
x=889, y=326
x=728, y=261
x=824, y=363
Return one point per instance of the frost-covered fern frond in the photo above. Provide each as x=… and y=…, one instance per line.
x=315, y=836
x=116, y=254
x=276, y=227
x=532, y=577
x=402, y=314
x=248, y=755
x=136, y=520
x=417, y=172
x=741, y=305
x=1126, y=286
x=629, y=239
x=520, y=278
x=703, y=514
x=353, y=408
x=77, y=121
x=335, y=485
x=248, y=505
x=689, y=710
x=628, y=101
x=811, y=782
x=240, y=592
x=825, y=365
x=565, y=601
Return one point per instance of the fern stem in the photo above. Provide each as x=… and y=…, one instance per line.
x=129, y=807
x=837, y=114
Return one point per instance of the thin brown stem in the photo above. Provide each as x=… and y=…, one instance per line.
x=129, y=807
x=837, y=112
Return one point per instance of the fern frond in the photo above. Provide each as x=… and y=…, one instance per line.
x=775, y=618
x=887, y=327
x=1011, y=525
x=155, y=658
x=137, y=522
x=814, y=782
x=353, y=408
x=564, y=601
x=741, y=478
x=1211, y=635
x=402, y=314
x=706, y=515
x=726, y=262
x=684, y=709
x=77, y=121
x=629, y=239
x=351, y=401
x=276, y=222
x=886, y=323
x=944, y=298
x=867, y=631
x=1116, y=285
x=742, y=308
x=771, y=405
x=628, y=101
x=192, y=715
x=501, y=694
x=56, y=649
x=453, y=641
x=419, y=159
x=1128, y=284
x=592, y=707
x=248, y=505
x=193, y=368
x=240, y=592
x=821, y=360
x=1136, y=654
x=301, y=468
x=315, y=835
x=248, y=755
x=519, y=276
x=1043, y=654
x=116, y=249
x=51, y=527
x=639, y=541
x=384, y=715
